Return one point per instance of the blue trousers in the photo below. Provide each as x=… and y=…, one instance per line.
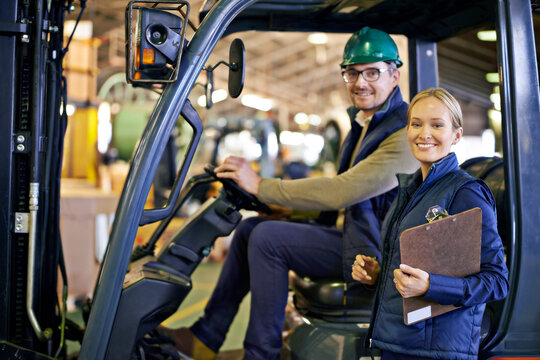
x=261, y=254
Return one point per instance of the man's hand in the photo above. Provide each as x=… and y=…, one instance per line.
x=410, y=281
x=240, y=170
x=365, y=269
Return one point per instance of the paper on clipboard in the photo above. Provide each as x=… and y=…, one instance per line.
x=449, y=246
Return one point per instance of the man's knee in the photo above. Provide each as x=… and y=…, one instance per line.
x=244, y=229
x=246, y=226
x=267, y=235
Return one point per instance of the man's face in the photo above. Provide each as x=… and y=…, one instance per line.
x=370, y=96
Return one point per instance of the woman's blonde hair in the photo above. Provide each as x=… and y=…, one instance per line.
x=447, y=99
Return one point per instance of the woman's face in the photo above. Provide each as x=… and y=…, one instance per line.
x=430, y=132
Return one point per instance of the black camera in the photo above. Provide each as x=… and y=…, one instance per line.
x=159, y=38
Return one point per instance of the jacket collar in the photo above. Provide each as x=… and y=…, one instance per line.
x=394, y=100
x=442, y=167
x=437, y=170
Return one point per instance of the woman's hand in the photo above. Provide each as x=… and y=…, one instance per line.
x=240, y=170
x=365, y=269
x=410, y=281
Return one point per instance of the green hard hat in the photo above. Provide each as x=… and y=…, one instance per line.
x=370, y=46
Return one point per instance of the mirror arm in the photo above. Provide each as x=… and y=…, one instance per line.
x=233, y=66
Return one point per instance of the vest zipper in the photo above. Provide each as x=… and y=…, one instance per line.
x=382, y=274
x=371, y=350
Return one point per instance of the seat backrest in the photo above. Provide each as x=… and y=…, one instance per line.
x=491, y=170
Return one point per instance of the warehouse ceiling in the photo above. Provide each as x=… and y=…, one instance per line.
x=297, y=74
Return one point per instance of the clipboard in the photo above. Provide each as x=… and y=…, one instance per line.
x=448, y=246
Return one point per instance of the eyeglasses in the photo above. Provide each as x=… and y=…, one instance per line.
x=371, y=74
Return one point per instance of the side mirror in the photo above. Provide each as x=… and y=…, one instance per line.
x=209, y=88
x=236, y=64
x=237, y=59
x=158, y=38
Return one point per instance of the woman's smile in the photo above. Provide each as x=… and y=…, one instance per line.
x=424, y=146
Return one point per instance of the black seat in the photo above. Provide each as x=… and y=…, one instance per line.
x=491, y=170
x=328, y=299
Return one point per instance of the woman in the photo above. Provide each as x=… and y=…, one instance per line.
x=434, y=125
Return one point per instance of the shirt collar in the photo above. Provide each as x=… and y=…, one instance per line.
x=361, y=120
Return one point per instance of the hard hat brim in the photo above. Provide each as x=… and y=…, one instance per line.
x=369, y=60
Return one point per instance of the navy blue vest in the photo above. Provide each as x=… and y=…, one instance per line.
x=361, y=228
x=409, y=209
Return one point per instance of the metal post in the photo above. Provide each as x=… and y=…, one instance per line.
x=8, y=44
x=423, y=67
x=521, y=138
x=142, y=171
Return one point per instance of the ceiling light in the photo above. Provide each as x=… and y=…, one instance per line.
x=492, y=77
x=301, y=118
x=201, y=101
x=104, y=127
x=221, y=122
x=70, y=109
x=314, y=120
x=272, y=145
x=257, y=102
x=488, y=35
x=291, y=138
x=217, y=96
x=83, y=31
x=496, y=100
x=488, y=142
x=104, y=112
x=495, y=116
x=314, y=142
x=495, y=120
x=318, y=38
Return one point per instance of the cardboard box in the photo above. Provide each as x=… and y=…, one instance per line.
x=80, y=203
x=81, y=70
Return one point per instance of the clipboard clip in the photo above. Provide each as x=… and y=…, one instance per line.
x=436, y=212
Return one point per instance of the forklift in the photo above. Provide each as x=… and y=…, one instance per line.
x=136, y=291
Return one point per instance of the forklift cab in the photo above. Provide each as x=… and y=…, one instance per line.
x=424, y=28
x=163, y=58
x=424, y=25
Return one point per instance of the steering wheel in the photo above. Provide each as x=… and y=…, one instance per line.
x=239, y=196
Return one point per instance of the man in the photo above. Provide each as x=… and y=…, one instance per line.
x=263, y=251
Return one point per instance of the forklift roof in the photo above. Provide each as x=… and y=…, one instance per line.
x=432, y=20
